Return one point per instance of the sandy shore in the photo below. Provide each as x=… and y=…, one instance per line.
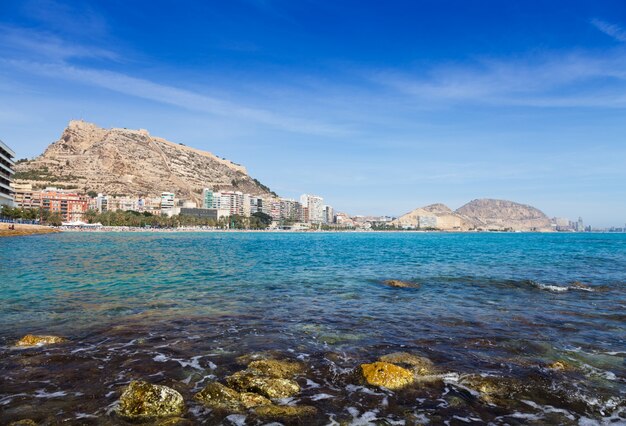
x=22, y=230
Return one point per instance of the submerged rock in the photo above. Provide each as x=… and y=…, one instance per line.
x=384, y=374
x=175, y=421
x=33, y=340
x=493, y=389
x=276, y=368
x=400, y=284
x=270, y=387
x=218, y=396
x=288, y=412
x=24, y=422
x=144, y=401
x=560, y=365
x=250, y=400
x=418, y=364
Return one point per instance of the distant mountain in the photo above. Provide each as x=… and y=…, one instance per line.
x=132, y=162
x=483, y=214
x=502, y=214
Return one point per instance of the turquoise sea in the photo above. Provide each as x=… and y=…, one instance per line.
x=180, y=308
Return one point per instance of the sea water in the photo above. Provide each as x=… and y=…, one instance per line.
x=181, y=309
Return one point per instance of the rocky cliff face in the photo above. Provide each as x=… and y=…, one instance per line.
x=503, y=214
x=484, y=214
x=132, y=162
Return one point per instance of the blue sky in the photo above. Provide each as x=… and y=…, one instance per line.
x=380, y=107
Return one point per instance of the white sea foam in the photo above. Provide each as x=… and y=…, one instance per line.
x=321, y=396
x=236, y=419
x=41, y=393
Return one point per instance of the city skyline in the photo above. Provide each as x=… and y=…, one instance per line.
x=404, y=101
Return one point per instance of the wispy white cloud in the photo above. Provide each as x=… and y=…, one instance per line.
x=557, y=80
x=48, y=55
x=612, y=30
x=187, y=99
x=19, y=42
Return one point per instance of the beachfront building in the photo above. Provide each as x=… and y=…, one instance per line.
x=25, y=197
x=208, y=199
x=314, y=205
x=167, y=203
x=69, y=205
x=6, y=175
x=329, y=215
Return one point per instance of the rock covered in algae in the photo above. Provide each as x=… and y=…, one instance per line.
x=175, y=421
x=560, y=366
x=144, y=401
x=33, y=340
x=418, y=364
x=493, y=389
x=23, y=422
x=276, y=368
x=270, y=387
x=400, y=284
x=387, y=375
x=218, y=396
x=289, y=412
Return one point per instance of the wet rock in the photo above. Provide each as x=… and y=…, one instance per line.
x=384, y=374
x=270, y=387
x=250, y=400
x=286, y=412
x=33, y=340
x=216, y=395
x=418, y=364
x=143, y=401
x=492, y=389
x=256, y=356
x=175, y=421
x=400, y=284
x=24, y=422
x=276, y=368
x=560, y=365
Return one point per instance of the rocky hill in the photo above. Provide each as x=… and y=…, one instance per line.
x=484, y=214
x=502, y=214
x=132, y=162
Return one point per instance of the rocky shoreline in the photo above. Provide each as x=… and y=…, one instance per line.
x=268, y=387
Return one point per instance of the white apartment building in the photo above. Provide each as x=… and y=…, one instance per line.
x=315, y=207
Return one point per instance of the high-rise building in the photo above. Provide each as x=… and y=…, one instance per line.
x=208, y=199
x=315, y=207
x=580, y=226
x=6, y=175
x=167, y=203
x=329, y=214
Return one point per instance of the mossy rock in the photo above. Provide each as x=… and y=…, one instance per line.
x=220, y=397
x=400, y=284
x=561, y=365
x=34, y=340
x=387, y=375
x=216, y=395
x=142, y=401
x=276, y=368
x=23, y=422
x=251, y=400
x=286, y=412
x=420, y=365
x=270, y=387
x=175, y=421
x=493, y=389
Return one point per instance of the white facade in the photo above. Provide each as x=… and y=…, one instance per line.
x=315, y=206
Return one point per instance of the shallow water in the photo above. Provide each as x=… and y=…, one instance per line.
x=178, y=309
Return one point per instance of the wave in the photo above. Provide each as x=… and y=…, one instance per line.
x=575, y=286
